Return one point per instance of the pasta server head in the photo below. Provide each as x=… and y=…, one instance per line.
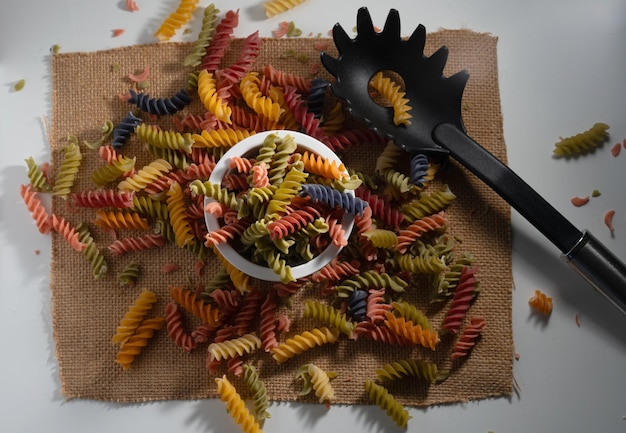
x=433, y=98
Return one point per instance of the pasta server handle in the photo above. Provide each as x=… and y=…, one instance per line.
x=581, y=250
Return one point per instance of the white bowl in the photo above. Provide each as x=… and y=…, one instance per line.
x=305, y=142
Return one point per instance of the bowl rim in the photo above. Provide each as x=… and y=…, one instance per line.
x=229, y=253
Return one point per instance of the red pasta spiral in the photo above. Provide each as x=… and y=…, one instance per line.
x=363, y=224
x=379, y=333
x=336, y=271
x=203, y=332
x=136, y=243
x=103, y=198
x=381, y=208
x=175, y=329
x=464, y=294
x=235, y=182
x=310, y=124
x=267, y=327
x=417, y=228
x=221, y=40
x=376, y=306
x=36, y=208
x=227, y=300
x=248, y=312
x=468, y=338
x=346, y=139
x=284, y=80
x=247, y=57
x=292, y=222
x=287, y=289
x=227, y=232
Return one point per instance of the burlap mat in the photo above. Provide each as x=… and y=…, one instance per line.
x=86, y=311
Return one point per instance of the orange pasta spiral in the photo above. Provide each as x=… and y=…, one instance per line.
x=135, y=344
x=541, y=302
x=36, y=208
x=318, y=165
x=413, y=333
x=120, y=220
x=189, y=301
x=406, y=237
x=63, y=227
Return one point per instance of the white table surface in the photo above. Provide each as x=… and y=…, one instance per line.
x=562, y=67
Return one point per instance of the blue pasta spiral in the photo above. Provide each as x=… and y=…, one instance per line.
x=357, y=305
x=160, y=106
x=317, y=94
x=419, y=169
x=124, y=129
x=332, y=197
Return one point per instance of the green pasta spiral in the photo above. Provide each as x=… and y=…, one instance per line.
x=425, y=370
x=259, y=392
x=387, y=402
x=328, y=315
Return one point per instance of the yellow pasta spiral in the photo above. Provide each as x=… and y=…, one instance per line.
x=261, y=105
x=135, y=344
x=275, y=7
x=321, y=384
x=176, y=20
x=304, y=341
x=145, y=176
x=234, y=347
x=178, y=215
x=391, y=90
x=235, y=406
x=220, y=137
x=134, y=316
x=207, y=91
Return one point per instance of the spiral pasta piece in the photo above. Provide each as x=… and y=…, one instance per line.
x=236, y=406
x=221, y=41
x=136, y=342
x=465, y=292
x=370, y=279
x=468, y=338
x=391, y=91
x=69, y=233
x=91, y=252
x=64, y=181
x=582, y=143
x=207, y=91
x=225, y=137
x=411, y=313
x=120, y=220
x=262, y=105
x=175, y=329
x=38, y=211
x=397, y=370
x=145, y=176
x=407, y=236
x=189, y=301
x=288, y=189
x=129, y=275
x=381, y=238
x=303, y=342
x=137, y=243
x=37, y=178
x=275, y=7
x=381, y=208
x=160, y=106
x=207, y=30
x=103, y=198
x=113, y=170
x=176, y=20
x=234, y=347
x=541, y=302
x=387, y=402
x=321, y=384
x=124, y=130
x=156, y=137
x=428, y=204
x=333, y=198
x=134, y=316
x=413, y=333
x=178, y=215
x=328, y=315
x=318, y=165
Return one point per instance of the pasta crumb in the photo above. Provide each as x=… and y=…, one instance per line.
x=117, y=32
x=580, y=201
x=19, y=85
x=608, y=220
x=616, y=149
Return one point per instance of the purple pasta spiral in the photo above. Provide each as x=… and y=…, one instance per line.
x=357, y=305
x=317, y=94
x=160, y=106
x=419, y=169
x=333, y=198
x=124, y=129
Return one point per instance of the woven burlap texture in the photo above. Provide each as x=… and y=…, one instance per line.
x=86, y=311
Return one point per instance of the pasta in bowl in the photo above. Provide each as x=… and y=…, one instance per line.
x=279, y=206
